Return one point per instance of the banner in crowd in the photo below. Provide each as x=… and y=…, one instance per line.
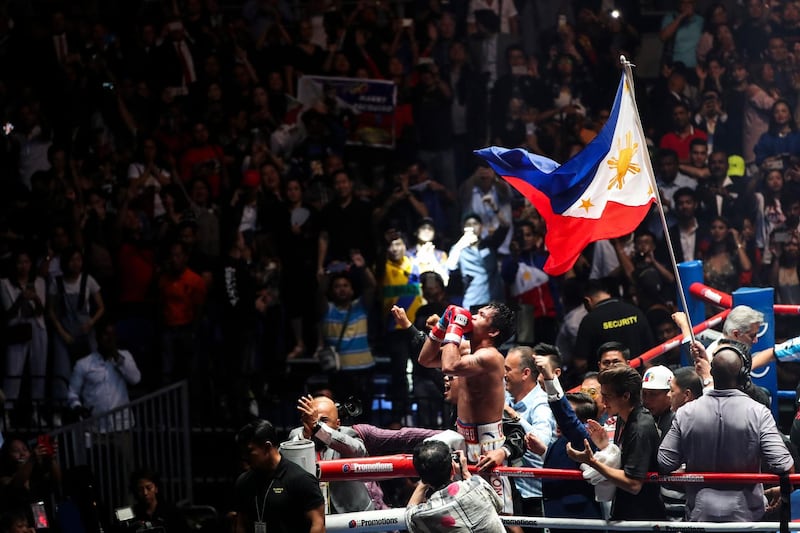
x=366, y=106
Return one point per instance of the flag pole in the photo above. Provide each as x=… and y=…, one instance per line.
x=652, y=177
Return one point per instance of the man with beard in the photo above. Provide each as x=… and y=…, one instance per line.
x=688, y=238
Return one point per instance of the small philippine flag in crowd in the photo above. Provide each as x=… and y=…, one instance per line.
x=603, y=192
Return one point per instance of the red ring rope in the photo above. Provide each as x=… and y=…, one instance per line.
x=397, y=466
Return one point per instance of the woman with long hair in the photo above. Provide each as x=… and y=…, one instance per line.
x=22, y=296
x=772, y=192
x=715, y=16
x=781, y=137
x=29, y=475
x=726, y=265
x=74, y=305
x=759, y=97
x=784, y=275
x=298, y=237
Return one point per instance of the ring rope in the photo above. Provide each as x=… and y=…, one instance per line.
x=394, y=519
x=401, y=465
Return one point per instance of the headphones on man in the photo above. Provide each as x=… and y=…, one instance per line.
x=743, y=351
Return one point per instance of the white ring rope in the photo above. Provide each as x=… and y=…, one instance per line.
x=394, y=519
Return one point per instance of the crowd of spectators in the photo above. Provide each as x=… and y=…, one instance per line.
x=159, y=173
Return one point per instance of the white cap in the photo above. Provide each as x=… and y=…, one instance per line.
x=657, y=378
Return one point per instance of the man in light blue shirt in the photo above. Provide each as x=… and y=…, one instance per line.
x=99, y=382
x=527, y=401
x=681, y=31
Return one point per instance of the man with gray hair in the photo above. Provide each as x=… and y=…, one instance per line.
x=742, y=325
x=527, y=402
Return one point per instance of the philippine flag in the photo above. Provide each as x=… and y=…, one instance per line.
x=603, y=192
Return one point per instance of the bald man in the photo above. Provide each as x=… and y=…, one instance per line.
x=725, y=431
x=321, y=424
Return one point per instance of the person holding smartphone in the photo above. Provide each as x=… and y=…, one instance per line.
x=29, y=475
x=726, y=265
x=22, y=296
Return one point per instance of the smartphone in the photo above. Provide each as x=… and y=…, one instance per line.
x=407, y=23
x=562, y=21
x=46, y=442
x=457, y=460
x=39, y=516
x=519, y=70
x=781, y=236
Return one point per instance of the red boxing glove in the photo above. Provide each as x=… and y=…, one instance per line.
x=460, y=323
x=440, y=328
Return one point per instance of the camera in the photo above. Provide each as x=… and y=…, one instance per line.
x=352, y=407
x=456, y=458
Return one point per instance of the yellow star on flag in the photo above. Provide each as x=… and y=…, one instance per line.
x=586, y=204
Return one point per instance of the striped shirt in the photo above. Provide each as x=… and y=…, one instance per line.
x=354, y=351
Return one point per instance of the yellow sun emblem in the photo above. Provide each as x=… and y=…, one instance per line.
x=624, y=163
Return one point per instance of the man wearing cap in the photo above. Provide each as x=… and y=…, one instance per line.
x=655, y=396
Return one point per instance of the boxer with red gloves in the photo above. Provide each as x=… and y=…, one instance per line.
x=481, y=392
x=452, y=325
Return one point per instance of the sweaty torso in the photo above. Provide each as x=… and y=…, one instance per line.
x=481, y=396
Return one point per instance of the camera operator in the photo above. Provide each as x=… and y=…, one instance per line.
x=149, y=512
x=472, y=505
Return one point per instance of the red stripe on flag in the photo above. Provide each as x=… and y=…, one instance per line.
x=568, y=236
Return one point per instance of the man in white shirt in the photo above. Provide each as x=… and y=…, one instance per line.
x=687, y=237
x=99, y=382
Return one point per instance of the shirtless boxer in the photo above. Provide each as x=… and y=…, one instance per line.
x=481, y=391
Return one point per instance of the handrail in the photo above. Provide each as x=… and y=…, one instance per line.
x=151, y=431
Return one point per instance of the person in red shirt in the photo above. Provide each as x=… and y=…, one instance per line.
x=682, y=134
x=182, y=295
x=204, y=160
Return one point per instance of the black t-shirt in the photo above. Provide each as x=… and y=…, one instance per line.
x=638, y=441
x=613, y=320
x=292, y=493
x=349, y=228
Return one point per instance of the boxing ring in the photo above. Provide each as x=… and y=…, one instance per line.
x=696, y=295
x=400, y=466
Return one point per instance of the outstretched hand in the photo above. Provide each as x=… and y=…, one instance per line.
x=584, y=456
